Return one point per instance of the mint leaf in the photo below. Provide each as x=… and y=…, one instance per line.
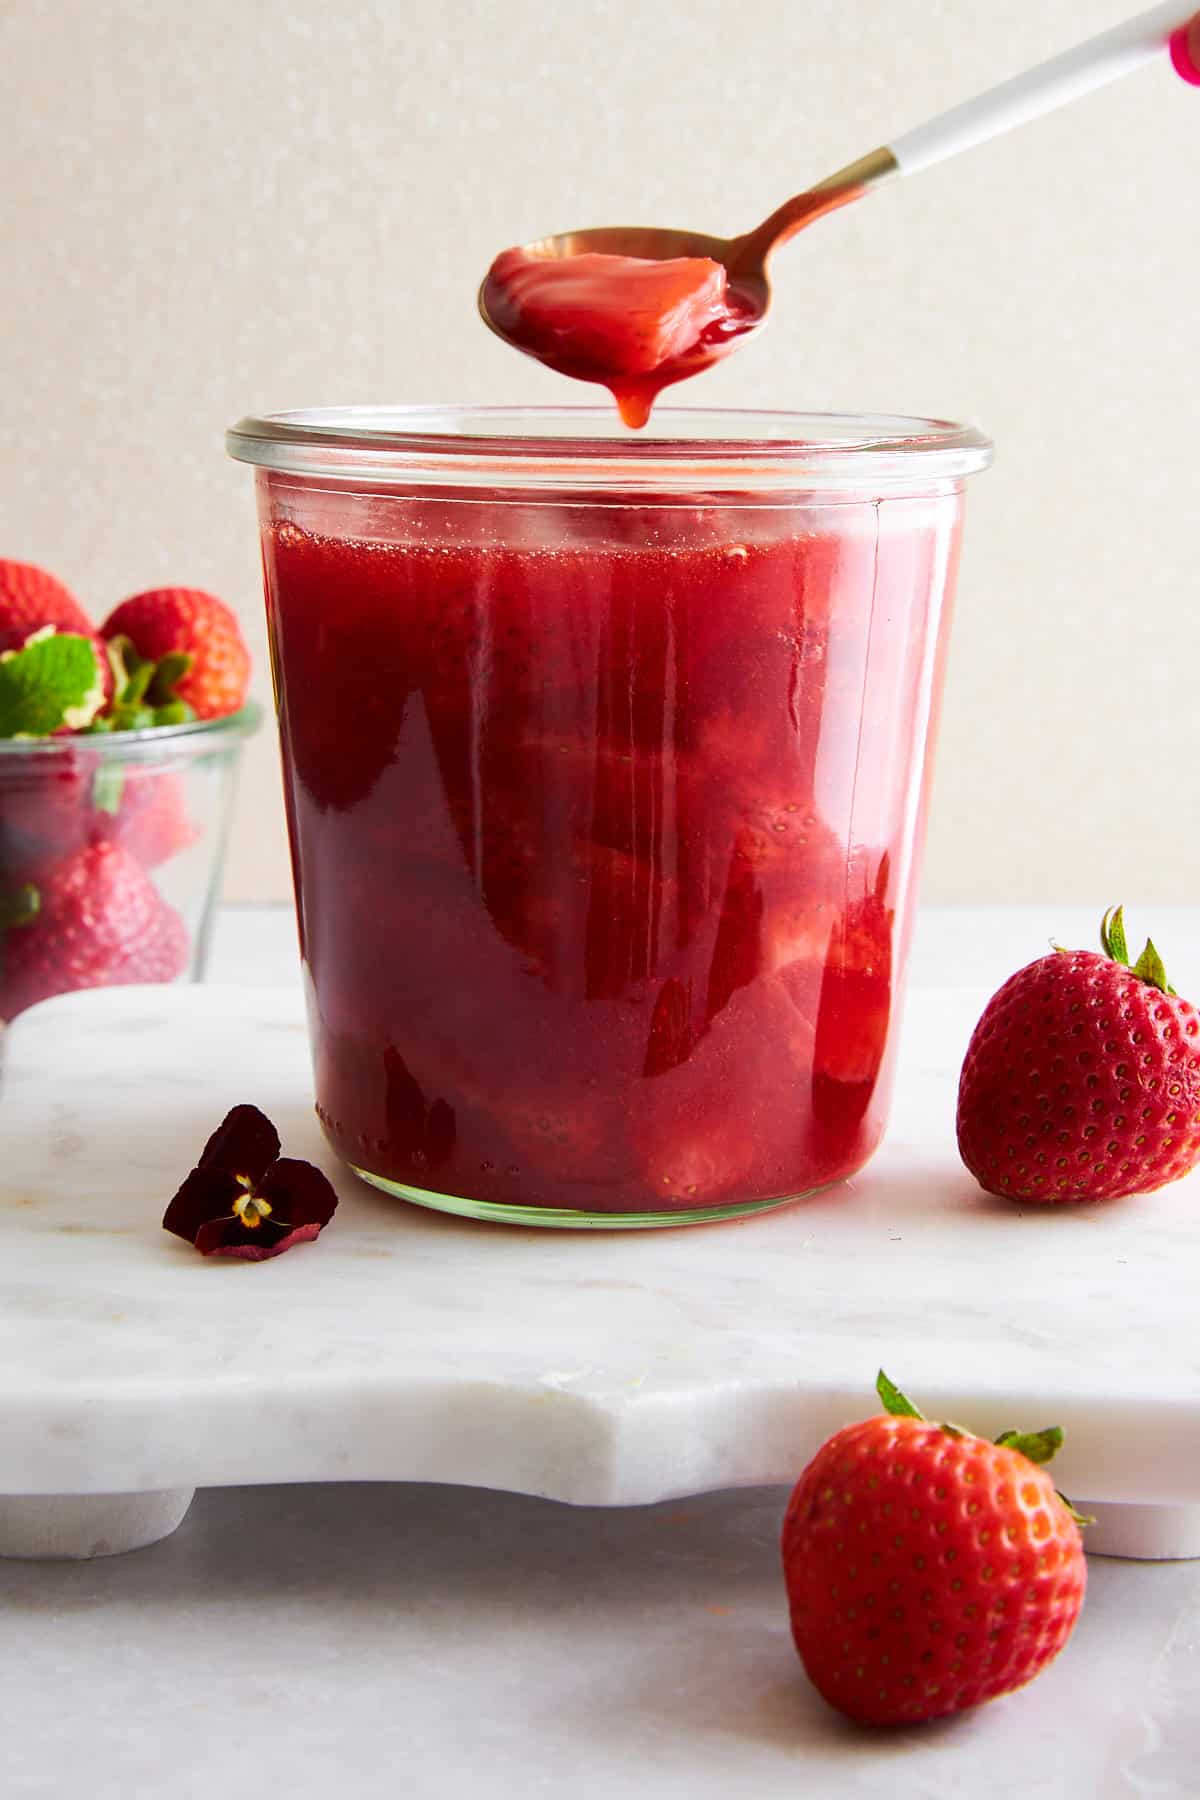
x=51, y=681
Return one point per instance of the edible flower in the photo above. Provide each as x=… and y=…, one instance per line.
x=243, y=1199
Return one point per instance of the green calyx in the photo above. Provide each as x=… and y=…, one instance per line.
x=1037, y=1446
x=52, y=683
x=143, y=691
x=893, y=1401
x=1149, y=965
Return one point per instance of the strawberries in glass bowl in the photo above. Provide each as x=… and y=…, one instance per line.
x=115, y=789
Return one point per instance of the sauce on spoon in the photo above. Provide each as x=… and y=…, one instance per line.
x=634, y=324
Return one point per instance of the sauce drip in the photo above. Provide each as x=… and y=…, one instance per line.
x=632, y=324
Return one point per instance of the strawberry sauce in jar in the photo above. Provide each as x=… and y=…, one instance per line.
x=605, y=764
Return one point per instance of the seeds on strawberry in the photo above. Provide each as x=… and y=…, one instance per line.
x=32, y=598
x=928, y=1570
x=1082, y=1078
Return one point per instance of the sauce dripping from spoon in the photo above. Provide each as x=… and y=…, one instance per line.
x=638, y=308
x=632, y=323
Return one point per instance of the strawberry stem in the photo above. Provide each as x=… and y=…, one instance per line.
x=165, y=674
x=144, y=691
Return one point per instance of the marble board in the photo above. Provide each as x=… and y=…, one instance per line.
x=601, y=1369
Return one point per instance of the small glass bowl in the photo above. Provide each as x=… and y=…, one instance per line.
x=111, y=852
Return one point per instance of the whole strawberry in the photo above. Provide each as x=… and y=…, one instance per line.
x=94, y=920
x=31, y=599
x=928, y=1570
x=194, y=641
x=1082, y=1078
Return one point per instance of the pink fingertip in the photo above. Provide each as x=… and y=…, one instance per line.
x=1181, y=56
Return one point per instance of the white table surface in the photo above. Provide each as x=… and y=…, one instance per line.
x=377, y=1640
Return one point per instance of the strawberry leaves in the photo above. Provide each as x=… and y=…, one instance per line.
x=144, y=690
x=1149, y=965
x=1038, y=1446
x=894, y=1402
x=1149, y=968
x=52, y=682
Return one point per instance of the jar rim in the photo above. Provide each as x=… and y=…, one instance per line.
x=156, y=743
x=716, y=449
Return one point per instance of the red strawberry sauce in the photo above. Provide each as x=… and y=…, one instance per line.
x=634, y=325
x=602, y=817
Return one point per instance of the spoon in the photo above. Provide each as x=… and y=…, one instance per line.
x=549, y=331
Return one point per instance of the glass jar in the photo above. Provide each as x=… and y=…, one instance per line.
x=606, y=762
x=111, y=849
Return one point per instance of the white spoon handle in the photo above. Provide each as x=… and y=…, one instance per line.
x=1076, y=72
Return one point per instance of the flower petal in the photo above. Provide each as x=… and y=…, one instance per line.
x=244, y=1143
x=299, y=1192
x=206, y=1194
x=209, y=1241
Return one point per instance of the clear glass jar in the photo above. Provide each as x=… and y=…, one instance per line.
x=111, y=848
x=605, y=762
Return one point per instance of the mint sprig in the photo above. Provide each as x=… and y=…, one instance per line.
x=52, y=682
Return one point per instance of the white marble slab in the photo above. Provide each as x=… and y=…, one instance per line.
x=602, y=1369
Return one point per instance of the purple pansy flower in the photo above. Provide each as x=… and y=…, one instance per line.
x=244, y=1199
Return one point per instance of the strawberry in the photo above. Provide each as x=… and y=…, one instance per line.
x=31, y=599
x=1082, y=1078
x=928, y=1570
x=209, y=665
x=44, y=808
x=94, y=920
x=151, y=820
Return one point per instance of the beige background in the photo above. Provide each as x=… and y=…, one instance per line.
x=218, y=206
